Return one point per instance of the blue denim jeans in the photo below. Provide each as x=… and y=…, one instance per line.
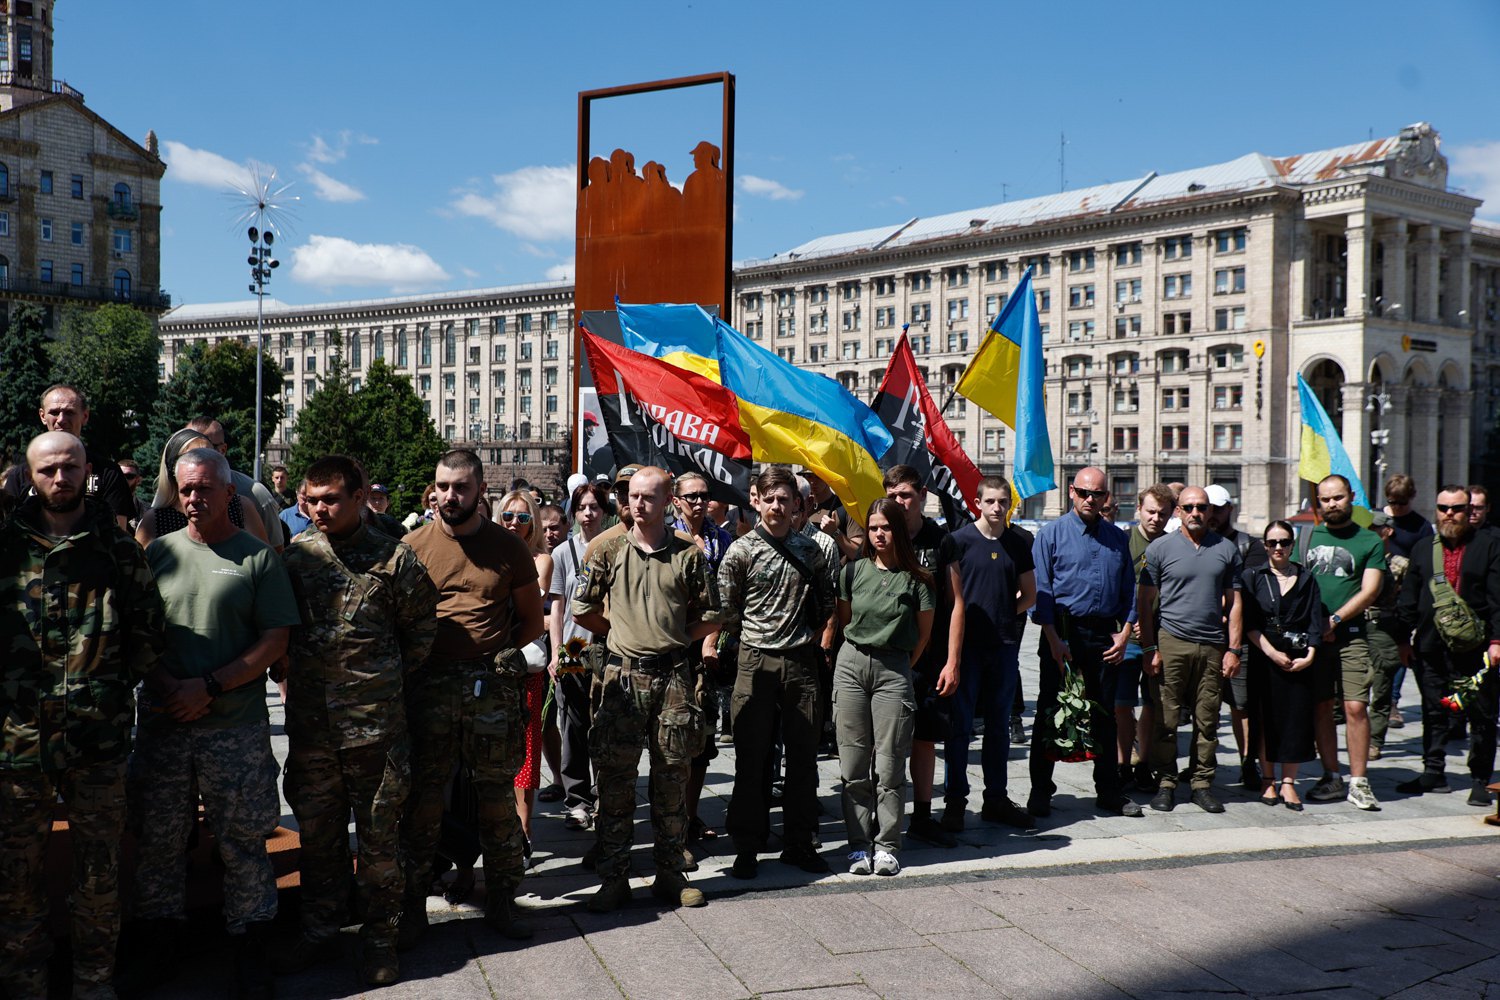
x=987, y=685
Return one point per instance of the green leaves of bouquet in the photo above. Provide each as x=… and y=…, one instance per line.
x=1067, y=737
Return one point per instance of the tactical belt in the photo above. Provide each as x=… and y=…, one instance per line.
x=657, y=664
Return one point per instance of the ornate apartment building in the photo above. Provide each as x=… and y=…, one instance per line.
x=1178, y=310
x=80, y=202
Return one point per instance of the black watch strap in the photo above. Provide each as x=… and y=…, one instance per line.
x=214, y=687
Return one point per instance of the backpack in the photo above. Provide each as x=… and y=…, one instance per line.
x=1455, y=622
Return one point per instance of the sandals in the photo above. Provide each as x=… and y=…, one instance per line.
x=1294, y=806
x=1270, y=786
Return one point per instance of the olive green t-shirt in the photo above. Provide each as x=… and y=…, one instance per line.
x=883, y=605
x=219, y=599
x=654, y=598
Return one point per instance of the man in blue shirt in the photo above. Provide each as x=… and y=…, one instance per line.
x=1084, y=590
x=295, y=517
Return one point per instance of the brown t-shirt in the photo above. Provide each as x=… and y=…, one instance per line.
x=474, y=576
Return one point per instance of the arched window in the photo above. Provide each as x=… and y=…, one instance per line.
x=4, y=181
x=4, y=271
x=122, y=195
x=356, y=350
x=122, y=285
x=379, y=346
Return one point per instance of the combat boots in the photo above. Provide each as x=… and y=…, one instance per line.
x=252, y=978
x=413, y=922
x=673, y=889
x=378, y=964
x=501, y=917
x=613, y=894
x=302, y=954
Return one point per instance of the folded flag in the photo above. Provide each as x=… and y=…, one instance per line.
x=1006, y=379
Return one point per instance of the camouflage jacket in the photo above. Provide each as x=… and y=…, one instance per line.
x=82, y=625
x=774, y=606
x=369, y=614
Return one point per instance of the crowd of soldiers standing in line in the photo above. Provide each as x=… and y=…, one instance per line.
x=409, y=656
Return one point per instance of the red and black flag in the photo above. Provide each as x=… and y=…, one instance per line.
x=658, y=414
x=923, y=439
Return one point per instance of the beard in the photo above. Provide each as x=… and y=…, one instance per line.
x=460, y=515
x=1338, y=517
x=1452, y=531
x=64, y=506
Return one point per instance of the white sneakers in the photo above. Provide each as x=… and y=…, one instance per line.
x=885, y=863
x=1360, y=794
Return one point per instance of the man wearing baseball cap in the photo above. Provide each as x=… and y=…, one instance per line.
x=1253, y=555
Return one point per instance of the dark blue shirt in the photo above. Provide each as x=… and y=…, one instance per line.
x=1083, y=568
x=295, y=523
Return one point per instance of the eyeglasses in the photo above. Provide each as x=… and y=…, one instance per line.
x=1192, y=506
x=1278, y=543
x=518, y=516
x=693, y=497
x=1448, y=508
x=1090, y=494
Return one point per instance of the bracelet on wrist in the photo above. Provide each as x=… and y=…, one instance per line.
x=1148, y=649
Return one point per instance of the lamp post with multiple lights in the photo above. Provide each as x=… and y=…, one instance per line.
x=262, y=264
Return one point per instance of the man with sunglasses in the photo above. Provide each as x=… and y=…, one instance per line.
x=1471, y=565
x=1191, y=644
x=1084, y=586
x=1348, y=563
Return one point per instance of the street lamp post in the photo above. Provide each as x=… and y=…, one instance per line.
x=1377, y=402
x=261, y=265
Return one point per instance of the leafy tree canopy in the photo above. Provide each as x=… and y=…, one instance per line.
x=25, y=373
x=111, y=353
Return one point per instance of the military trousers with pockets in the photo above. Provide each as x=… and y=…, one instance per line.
x=95, y=798
x=658, y=713
x=324, y=784
x=1191, y=674
x=768, y=685
x=233, y=770
x=464, y=712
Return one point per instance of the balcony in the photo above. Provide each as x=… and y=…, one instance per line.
x=62, y=291
x=123, y=211
x=26, y=81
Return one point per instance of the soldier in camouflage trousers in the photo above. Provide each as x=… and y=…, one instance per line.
x=83, y=625
x=369, y=615
x=465, y=707
x=662, y=598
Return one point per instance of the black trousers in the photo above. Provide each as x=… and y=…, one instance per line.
x=782, y=683
x=1100, y=679
x=1436, y=672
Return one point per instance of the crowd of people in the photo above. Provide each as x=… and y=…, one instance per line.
x=434, y=670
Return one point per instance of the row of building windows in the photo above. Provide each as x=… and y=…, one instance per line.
x=120, y=197
x=122, y=240
x=46, y=273
x=1173, y=437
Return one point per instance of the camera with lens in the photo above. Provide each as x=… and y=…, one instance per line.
x=1300, y=640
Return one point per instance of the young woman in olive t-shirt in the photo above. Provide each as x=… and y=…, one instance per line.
x=886, y=604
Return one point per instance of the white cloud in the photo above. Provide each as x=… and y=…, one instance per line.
x=1479, y=166
x=561, y=272
x=330, y=261
x=469, y=272
x=328, y=188
x=204, y=168
x=764, y=187
x=324, y=152
x=534, y=203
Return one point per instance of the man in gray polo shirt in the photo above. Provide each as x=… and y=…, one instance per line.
x=1195, y=575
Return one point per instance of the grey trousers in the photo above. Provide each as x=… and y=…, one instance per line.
x=874, y=713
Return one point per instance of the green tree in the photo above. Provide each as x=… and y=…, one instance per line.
x=217, y=381
x=25, y=373
x=399, y=446
x=111, y=353
x=325, y=424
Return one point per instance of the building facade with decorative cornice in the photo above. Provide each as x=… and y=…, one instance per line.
x=1177, y=310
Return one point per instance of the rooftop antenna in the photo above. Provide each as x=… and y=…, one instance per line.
x=1062, y=161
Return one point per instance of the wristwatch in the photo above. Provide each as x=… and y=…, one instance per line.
x=214, y=687
x=1336, y=619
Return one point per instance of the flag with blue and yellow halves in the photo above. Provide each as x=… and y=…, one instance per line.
x=681, y=335
x=1322, y=451
x=1005, y=379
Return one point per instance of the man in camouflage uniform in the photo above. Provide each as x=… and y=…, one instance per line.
x=662, y=597
x=369, y=615
x=82, y=625
x=204, y=725
x=777, y=590
x=465, y=707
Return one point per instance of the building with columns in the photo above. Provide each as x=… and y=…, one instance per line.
x=1177, y=309
x=80, y=202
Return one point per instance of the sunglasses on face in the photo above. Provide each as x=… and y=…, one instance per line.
x=1448, y=508
x=1190, y=507
x=1090, y=494
x=693, y=497
x=517, y=516
x=1278, y=543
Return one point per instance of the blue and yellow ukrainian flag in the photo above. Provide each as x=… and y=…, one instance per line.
x=1322, y=451
x=681, y=335
x=1006, y=380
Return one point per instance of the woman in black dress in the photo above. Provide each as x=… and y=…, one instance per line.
x=1283, y=620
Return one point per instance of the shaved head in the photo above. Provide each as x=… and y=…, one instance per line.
x=59, y=471
x=53, y=442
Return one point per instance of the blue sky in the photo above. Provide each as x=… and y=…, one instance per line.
x=431, y=146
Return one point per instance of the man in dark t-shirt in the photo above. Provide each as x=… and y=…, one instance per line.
x=65, y=409
x=999, y=586
x=1410, y=528
x=935, y=676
